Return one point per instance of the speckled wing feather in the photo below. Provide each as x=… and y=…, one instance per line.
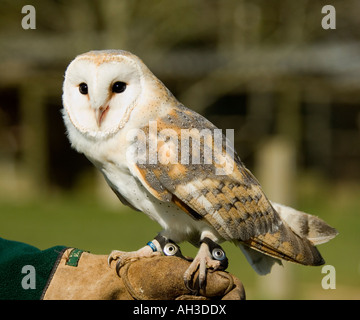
x=233, y=203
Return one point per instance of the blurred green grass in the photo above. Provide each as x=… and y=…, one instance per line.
x=84, y=222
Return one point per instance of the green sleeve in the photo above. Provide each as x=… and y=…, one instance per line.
x=25, y=270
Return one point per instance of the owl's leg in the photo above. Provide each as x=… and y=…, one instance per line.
x=210, y=256
x=169, y=247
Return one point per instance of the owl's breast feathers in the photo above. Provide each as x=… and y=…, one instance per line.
x=232, y=203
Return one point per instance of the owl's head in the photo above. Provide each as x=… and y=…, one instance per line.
x=100, y=90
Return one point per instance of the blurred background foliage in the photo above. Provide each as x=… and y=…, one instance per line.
x=289, y=88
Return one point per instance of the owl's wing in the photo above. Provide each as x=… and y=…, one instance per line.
x=223, y=193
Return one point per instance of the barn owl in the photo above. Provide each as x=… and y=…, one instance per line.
x=130, y=126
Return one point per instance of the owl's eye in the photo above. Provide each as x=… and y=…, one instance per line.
x=118, y=87
x=83, y=88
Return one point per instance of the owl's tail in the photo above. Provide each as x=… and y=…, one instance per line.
x=294, y=241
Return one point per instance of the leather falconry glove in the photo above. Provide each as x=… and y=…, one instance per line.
x=82, y=275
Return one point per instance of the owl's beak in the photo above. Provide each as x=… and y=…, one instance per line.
x=100, y=114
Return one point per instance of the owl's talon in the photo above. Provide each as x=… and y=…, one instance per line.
x=118, y=266
x=188, y=286
x=115, y=255
x=110, y=258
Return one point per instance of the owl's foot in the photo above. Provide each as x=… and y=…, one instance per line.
x=155, y=247
x=124, y=257
x=210, y=256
